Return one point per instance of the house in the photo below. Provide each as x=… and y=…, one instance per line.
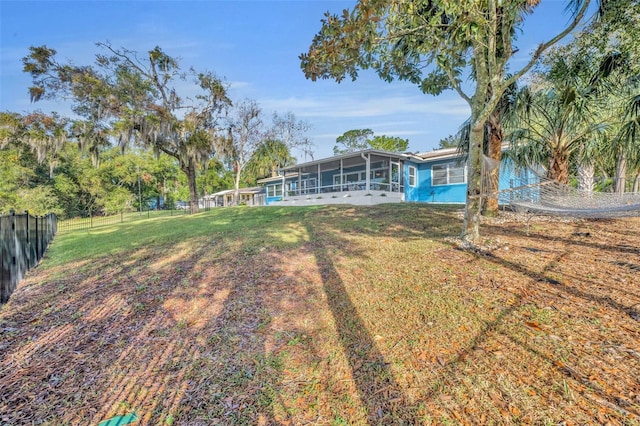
x=373, y=176
x=248, y=196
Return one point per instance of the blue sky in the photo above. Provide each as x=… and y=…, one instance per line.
x=254, y=45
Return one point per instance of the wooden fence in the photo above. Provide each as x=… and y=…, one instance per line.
x=23, y=241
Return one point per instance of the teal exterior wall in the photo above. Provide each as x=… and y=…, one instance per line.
x=270, y=200
x=512, y=176
x=425, y=191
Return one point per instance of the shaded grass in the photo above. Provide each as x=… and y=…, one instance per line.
x=327, y=315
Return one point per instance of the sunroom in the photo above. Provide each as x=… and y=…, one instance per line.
x=364, y=177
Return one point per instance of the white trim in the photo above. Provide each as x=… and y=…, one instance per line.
x=415, y=176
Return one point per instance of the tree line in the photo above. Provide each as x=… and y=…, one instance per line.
x=146, y=131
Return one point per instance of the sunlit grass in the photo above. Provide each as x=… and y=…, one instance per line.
x=250, y=223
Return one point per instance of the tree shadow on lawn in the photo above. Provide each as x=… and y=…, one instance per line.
x=404, y=220
x=543, y=278
x=379, y=393
x=175, y=334
x=584, y=228
x=384, y=399
x=347, y=320
x=597, y=392
x=620, y=254
x=167, y=337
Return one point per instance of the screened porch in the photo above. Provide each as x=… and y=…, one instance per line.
x=364, y=171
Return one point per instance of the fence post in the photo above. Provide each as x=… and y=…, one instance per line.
x=26, y=212
x=38, y=254
x=4, y=275
x=28, y=244
x=13, y=265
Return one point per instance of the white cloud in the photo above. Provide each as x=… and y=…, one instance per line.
x=239, y=85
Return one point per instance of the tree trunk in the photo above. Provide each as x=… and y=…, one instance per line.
x=471, y=231
x=586, y=181
x=190, y=170
x=636, y=183
x=236, y=194
x=621, y=173
x=559, y=167
x=494, y=127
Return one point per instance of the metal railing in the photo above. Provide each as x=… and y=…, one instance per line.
x=93, y=221
x=23, y=241
x=89, y=220
x=347, y=187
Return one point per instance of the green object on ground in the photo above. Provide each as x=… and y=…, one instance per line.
x=119, y=420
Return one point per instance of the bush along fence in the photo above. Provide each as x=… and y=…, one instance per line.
x=23, y=241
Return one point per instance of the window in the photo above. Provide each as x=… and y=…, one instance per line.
x=412, y=176
x=448, y=174
x=308, y=186
x=274, y=190
x=379, y=173
x=352, y=177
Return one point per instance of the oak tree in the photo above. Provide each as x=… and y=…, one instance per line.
x=435, y=44
x=138, y=98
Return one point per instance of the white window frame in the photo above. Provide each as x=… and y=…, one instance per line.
x=413, y=176
x=448, y=168
x=274, y=190
x=347, y=178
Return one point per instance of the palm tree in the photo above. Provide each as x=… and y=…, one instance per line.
x=555, y=126
x=596, y=74
x=627, y=144
x=270, y=156
x=570, y=114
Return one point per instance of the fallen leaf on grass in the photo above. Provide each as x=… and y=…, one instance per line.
x=533, y=325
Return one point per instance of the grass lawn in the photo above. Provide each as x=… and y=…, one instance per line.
x=331, y=315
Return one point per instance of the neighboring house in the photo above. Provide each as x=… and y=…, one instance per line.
x=373, y=177
x=248, y=196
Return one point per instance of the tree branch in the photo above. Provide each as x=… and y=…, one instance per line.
x=545, y=46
